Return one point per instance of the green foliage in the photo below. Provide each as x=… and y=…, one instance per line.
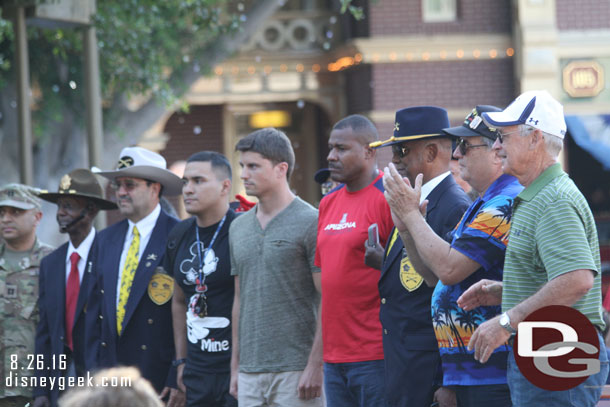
x=357, y=12
x=144, y=46
x=144, y=42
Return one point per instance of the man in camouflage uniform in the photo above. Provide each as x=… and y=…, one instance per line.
x=20, y=256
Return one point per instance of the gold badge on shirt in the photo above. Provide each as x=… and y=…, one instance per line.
x=160, y=288
x=410, y=279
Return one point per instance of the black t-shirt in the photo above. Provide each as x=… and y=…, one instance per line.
x=209, y=338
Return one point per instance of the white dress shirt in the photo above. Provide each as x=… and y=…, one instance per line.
x=145, y=227
x=430, y=185
x=83, y=252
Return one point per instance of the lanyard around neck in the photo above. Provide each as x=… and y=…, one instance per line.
x=201, y=277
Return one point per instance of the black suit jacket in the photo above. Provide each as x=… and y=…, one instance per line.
x=405, y=311
x=51, y=330
x=146, y=340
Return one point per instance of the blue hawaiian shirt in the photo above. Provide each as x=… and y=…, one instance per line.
x=482, y=235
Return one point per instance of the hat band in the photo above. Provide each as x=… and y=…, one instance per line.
x=392, y=139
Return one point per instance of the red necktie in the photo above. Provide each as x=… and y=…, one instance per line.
x=71, y=296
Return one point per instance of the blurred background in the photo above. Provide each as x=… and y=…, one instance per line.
x=79, y=80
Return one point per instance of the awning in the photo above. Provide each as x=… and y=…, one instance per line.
x=592, y=134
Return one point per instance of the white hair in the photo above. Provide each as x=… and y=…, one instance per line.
x=552, y=143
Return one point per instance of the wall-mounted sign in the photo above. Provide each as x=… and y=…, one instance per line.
x=270, y=118
x=583, y=79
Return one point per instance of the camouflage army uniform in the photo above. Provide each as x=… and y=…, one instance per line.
x=18, y=317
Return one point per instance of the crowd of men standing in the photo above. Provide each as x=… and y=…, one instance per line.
x=289, y=305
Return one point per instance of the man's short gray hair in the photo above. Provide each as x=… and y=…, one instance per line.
x=552, y=143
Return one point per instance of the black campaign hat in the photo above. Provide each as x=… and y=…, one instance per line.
x=80, y=183
x=474, y=126
x=414, y=123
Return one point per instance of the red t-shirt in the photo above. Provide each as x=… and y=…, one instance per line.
x=351, y=330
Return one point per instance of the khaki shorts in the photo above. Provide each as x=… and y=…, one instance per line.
x=272, y=389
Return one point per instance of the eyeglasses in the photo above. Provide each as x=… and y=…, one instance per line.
x=400, y=150
x=463, y=146
x=502, y=135
x=128, y=184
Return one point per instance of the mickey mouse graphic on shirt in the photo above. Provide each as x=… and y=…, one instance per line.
x=199, y=327
x=189, y=267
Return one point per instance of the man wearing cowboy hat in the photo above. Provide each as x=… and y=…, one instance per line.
x=66, y=281
x=134, y=322
x=411, y=353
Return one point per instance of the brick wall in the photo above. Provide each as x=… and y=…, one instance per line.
x=395, y=17
x=583, y=14
x=451, y=84
x=200, y=129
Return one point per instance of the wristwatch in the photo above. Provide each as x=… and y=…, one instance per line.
x=505, y=323
x=178, y=362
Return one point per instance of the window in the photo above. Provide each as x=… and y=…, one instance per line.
x=436, y=11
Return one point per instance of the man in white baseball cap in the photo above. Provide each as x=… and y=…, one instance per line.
x=552, y=256
x=132, y=324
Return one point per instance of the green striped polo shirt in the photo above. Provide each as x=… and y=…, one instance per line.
x=552, y=233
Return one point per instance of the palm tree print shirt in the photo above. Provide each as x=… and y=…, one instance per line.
x=482, y=235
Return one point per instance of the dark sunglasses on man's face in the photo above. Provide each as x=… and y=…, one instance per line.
x=400, y=150
x=128, y=184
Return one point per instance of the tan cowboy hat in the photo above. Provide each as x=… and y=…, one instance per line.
x=139, y=162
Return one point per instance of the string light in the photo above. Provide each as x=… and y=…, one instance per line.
x=349, y=61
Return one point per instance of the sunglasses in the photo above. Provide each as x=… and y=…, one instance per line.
x=502, y=135
x=129, y=185
x=463, y=146
x=400, y=150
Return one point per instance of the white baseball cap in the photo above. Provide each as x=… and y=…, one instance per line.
x=536, y=108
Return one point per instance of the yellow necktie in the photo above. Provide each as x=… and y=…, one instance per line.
x=129, y=271
x=392, y=240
